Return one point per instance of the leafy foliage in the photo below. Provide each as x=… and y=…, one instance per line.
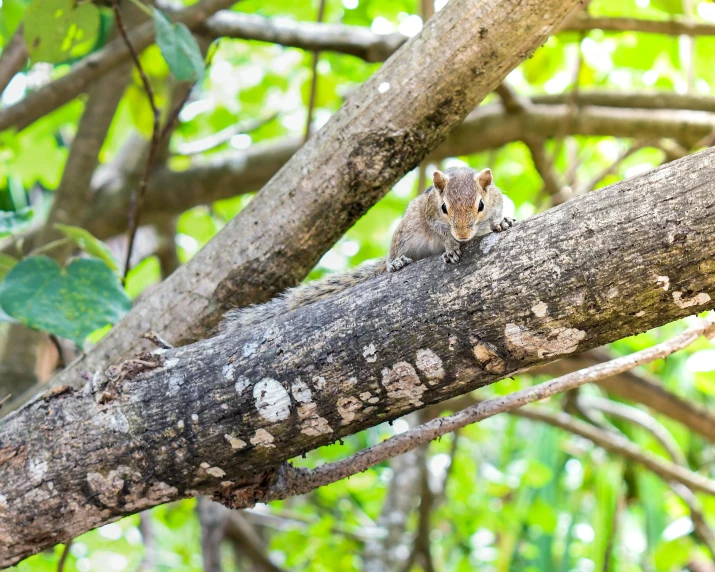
x=84, y=240
x=57, y=30
x=71, y=302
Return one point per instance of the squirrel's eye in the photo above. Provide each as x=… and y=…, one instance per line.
x=444, y=208
x=481, y=205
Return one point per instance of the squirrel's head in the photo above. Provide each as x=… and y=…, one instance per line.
x=461, y=196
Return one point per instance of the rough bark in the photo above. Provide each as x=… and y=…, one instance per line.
x=384, y=130
x=217, y=417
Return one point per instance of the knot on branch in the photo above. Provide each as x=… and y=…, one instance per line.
x=273, y=484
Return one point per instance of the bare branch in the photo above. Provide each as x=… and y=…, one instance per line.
x=223, y=136
x=314, y=78
x=670, y=27
x=13, y=58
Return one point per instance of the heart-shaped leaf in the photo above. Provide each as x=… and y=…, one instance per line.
x=70, y=303
x=179, y=48
x=14, y=221
x=91, y=245
x=57, y=30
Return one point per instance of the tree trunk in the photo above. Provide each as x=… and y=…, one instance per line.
x=219, y=416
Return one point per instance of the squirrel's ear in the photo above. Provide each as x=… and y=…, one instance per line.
x=484, y=178
x=440, y=180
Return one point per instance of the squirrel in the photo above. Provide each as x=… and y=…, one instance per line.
x=461, y=205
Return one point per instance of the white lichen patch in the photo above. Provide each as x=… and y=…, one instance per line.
x=180, y=423
x=174, y=384
x=452, y=343
x=272, y=400
x=235, y=442
x=365, y=395
x=488, y=242
x=319, y=382
x=249, y=349
x=117, y=421
x=227, y=484
x=663, y=282
x=204, y=465
x=540, y=309
x=697, y=300
x=216, y=472
x=301, y=392
x=263, y=438
x=194, y=418
x=312, y=424
x=369, y=353
x=3, y=502
x=348, y=408
x=523, y=342
x=402, y=383
x=168, y=364
x=640, y=314
x=228, y=370
x=37, y=469
x=430, y=364
x=241, y=384
x=612, y=292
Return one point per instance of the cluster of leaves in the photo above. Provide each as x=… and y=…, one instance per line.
x=520, y=496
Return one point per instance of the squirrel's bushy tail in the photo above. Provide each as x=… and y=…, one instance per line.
x=300, y=296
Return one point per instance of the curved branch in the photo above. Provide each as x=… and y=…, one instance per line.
x=219, y=416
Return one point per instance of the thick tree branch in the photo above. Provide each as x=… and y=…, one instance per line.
x=217, y=417
x=488, y=127
x=386, y=128
x=362, y=43
x=353, y=40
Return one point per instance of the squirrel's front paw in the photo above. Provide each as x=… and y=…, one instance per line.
x=503, y=224
x=398, y=264
x=452, y=256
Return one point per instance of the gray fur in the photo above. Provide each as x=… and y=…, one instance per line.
x=300, y=296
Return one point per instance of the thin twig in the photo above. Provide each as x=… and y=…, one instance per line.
x=612, y=167
x=4, y=399
x=295, y=481
x=137, y=198
x=49, y=246
x=65, y=555
x=220, y=137
x=610, y=543
x=314, y=78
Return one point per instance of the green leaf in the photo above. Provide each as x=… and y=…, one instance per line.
x=6, y=264
x=91, y=245
x=179, y=48
x=14, y=221
x=11, y=13
x=69, y=302
x=57, y=30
